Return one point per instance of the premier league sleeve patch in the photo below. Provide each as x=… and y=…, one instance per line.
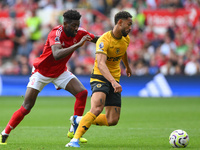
x=101, y=45
x=57, y=39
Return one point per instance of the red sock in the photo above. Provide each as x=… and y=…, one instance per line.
x=80, y=102
x=16, y=118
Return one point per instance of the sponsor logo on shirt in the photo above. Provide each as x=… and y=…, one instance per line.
x=114, y=58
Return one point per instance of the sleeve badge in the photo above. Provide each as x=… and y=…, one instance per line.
x=57, y=39
x=101, y=45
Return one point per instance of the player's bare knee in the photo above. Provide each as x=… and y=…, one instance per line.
x=96, y=111
x=28, y=104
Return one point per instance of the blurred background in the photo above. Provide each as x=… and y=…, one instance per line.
x=165, y=39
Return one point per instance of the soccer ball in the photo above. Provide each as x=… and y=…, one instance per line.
x=178, y=138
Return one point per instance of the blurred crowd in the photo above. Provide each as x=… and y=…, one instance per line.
x=24, y=30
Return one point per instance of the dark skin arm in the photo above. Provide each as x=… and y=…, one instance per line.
x=95, y=39
x=59, y=52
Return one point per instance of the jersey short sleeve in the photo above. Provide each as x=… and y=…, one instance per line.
x=54, y=37
x=102, y=44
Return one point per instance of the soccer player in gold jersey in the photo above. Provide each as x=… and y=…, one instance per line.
x=106, y=91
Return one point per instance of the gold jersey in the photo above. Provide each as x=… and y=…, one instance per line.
x=114, y=49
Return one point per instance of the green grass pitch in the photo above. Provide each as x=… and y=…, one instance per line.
x=145, y=124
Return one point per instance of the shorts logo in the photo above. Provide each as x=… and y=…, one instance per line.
x=99, y=85
x=32, y=81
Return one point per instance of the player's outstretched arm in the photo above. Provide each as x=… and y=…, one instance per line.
x=59, y=52
x=95, y=39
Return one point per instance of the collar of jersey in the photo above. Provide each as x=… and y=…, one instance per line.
x=114, y=36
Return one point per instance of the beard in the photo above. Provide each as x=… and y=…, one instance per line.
x=70, y=33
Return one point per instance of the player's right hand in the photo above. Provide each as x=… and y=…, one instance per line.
x=84, y=38
x=117, y=87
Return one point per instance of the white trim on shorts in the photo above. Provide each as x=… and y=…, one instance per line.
x=38, y=81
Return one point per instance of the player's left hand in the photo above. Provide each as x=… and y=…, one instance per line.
x=128, y=72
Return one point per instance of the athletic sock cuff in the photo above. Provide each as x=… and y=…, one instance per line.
x=24, y=111
x=83, y=93
x=91, y=114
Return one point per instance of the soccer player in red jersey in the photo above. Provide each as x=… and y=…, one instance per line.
x=62, y=41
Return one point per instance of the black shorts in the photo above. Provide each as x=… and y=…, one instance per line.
x=112, y=99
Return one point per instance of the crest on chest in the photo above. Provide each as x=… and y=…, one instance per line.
x=117, y=50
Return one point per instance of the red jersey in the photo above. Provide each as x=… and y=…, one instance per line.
x=46, y=64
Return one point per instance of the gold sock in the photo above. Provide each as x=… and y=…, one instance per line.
x=84, y=124
x=101, y=120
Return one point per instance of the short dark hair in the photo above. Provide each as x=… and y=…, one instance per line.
x=71, y=15
x=122, y=15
